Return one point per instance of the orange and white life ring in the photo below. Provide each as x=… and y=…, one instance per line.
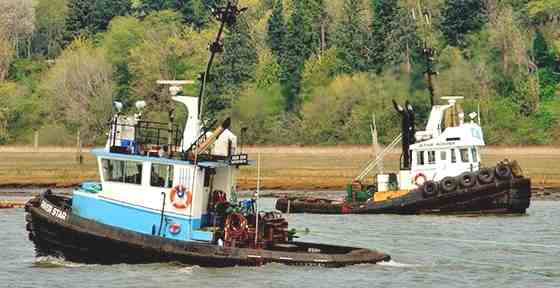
x=420, y=179
x=180, y=197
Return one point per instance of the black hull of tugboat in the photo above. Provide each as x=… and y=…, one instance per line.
x=82, y=240
x=500, y=197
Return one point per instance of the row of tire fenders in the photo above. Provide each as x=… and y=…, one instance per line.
x=465, y=180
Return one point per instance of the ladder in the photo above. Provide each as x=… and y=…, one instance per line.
x=370, y=165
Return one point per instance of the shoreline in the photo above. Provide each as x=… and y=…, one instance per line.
x=309, y=170
x=548, y=194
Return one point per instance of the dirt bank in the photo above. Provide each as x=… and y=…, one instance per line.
x=294, y=168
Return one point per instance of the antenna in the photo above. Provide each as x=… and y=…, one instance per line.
x=427, y=50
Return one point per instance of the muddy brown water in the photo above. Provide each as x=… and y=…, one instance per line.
x=427, y=251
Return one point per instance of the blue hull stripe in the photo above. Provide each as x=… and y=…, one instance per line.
x=138, y=219
x=129, y=205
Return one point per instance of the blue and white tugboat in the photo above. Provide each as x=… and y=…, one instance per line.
x=167, y=194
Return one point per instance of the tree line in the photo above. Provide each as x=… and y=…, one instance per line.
x=291, y=71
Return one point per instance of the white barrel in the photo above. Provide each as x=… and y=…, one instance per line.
x=382, y=182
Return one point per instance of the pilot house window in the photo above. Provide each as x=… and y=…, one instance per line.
x=453, y=156
x=122, y=171
x=474, y=155
x=431, y=157
x=420, y=157
x=161, y=176
x=464, y=155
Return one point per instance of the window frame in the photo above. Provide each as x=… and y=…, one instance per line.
x=464, y=152
x=420, y=161
x=431, y=157
x=139, y=174
x=474, y=154
x=108, y=171
x=168, y=177
x=443, y=155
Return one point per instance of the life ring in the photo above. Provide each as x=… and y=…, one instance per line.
x=417, y=178
x=180, y=197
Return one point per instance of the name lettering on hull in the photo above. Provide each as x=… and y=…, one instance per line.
x=54, y=211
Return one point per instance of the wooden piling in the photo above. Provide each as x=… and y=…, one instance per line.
x=36, y=141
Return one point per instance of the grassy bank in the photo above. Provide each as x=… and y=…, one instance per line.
x=283, y=167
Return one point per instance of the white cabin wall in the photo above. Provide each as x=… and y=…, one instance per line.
x=190, y=177
x=223, y=179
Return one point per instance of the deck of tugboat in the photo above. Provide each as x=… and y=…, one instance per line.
x=101, y=152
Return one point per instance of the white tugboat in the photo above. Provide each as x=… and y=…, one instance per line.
x=440, y=170
x=167, y=194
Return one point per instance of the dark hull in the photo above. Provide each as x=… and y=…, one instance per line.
x=500, y=197
x=81, y=240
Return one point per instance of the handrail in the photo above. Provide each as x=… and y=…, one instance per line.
x=374, y=162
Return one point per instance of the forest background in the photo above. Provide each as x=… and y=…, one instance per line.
x=292, y=71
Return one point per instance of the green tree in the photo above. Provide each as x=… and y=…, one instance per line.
x=319, y=71
x=461, y=17
x=236, y=68
x=166, y=50
x=6, y=56
x=125, y=33
x=301, y=43
x=276, y=29
x=80, y=19
x=50, y=15
x=105, y=10
x=240, y=57
x=88, y=17
x=342, y=112
x=544, y=56
x=195, y=12
x=393, y=35
x=351, y=38
x=80, y=86
x=543, y=11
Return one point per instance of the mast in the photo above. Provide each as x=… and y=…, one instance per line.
x=428, y=51
x=227, y=16
x=429, y=56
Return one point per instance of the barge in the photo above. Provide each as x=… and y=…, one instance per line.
x=164, y=195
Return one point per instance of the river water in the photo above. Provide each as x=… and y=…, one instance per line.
x=427, y=251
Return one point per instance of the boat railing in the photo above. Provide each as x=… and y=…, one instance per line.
x=370, y=165
x=148, y=138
